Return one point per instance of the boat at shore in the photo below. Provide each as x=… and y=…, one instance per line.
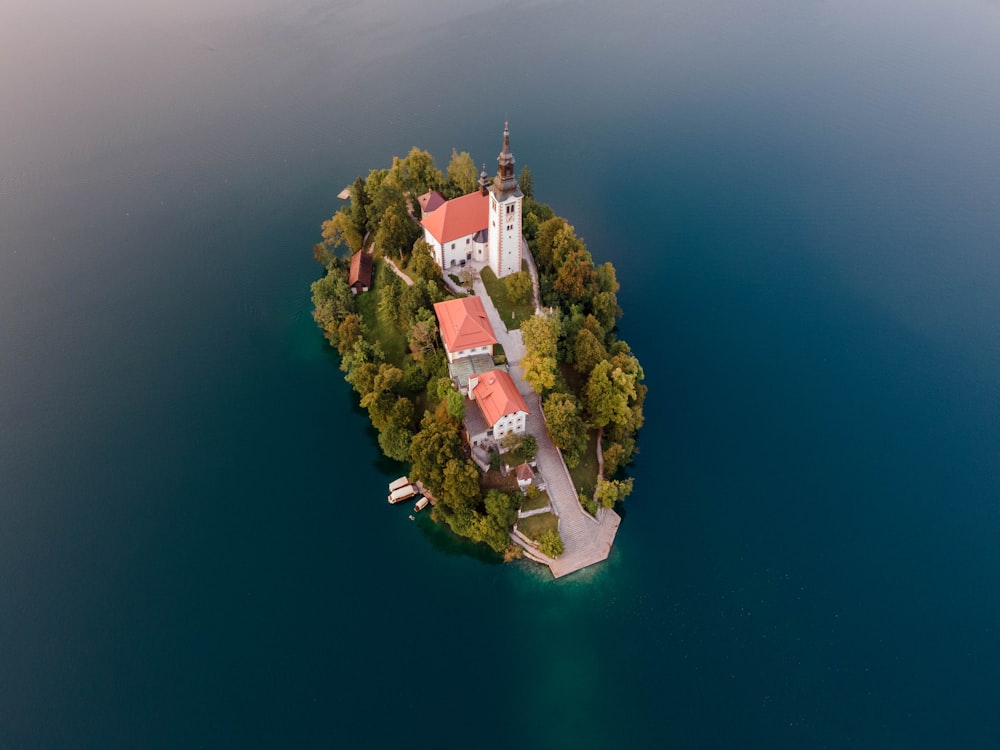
x=397, y=484
x=401, y=494
x=421, y=504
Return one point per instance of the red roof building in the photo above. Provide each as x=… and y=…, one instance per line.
x=458, y=218
x=465, y=329
x=499, y=401
x=360, y=276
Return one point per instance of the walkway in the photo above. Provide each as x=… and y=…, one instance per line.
x=586, y=540
x=406, y=279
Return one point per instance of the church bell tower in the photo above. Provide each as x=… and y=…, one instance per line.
x=505, y=214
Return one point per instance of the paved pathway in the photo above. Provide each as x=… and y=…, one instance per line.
x=406, y=279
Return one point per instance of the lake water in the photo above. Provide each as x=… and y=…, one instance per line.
x=802, y=203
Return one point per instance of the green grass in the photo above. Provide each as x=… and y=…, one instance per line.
x=393, y=342
x=584, y=474
x=540, y=500
x=534, y=526
x=494, y=480
x=498, y=293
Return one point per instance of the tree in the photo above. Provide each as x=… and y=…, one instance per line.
x=349, y=332
x=607, y=393
x=394, y=440
x=526, y=182
x=462, y=172
x=611, y=491
x=359, y=205
x=416, y=173
x=565, y=426
x=332, y=302
x=456, y=404
x=501, y=506
x=460, y=486
x=540, y=334
x=423, y=334
x=341, y=229
x=396, y=232
x=588, y=352
x=551, y=544
x=469, y=275
x=437, y=442
x=519, y=287
x=519, y=449
x=422, y=265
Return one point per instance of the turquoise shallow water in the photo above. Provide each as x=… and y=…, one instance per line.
x=800, y=202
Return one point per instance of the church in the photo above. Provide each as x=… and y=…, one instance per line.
x=481, y=227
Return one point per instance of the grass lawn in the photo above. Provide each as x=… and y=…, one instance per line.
x=498, y=293
x=534, y=526
x=585, y=473
x=393, y=342
x=541, y=500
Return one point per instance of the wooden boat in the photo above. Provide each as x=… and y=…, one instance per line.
x=421, y=504
x=403, y=493
x=398, y=484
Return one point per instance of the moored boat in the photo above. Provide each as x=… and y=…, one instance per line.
x=421, y=504
x=397, y=484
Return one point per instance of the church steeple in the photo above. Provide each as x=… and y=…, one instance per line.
x=505, y=182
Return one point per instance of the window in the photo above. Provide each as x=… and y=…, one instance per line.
x=452, y=245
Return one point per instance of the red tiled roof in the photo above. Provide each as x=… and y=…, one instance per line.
x=361, y=269
x=458, y=217
x=524, y=473
x=430, y=201
x=497, y=396
x=463, y=324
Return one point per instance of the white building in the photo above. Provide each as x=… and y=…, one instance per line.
x=502, y=408
x=484, y=226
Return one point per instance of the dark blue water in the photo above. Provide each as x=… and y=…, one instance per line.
x=802, y=204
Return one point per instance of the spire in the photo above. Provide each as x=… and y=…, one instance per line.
x=505, y=181
x=484, y=181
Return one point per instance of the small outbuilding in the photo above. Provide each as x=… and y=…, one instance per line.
x=360, y=276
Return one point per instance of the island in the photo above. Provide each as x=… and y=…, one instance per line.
x=483, y=342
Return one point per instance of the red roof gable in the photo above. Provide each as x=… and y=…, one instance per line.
x=361, y=269
x=458, y=217
x=463, y=324
x=430, y=201
x=497, y=396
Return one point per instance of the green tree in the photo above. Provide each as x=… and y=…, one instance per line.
x=460, y=487
x=519, y=287
x=551, y=544
x=502, y=507
x=565, y=425
x=396, y=232
x=588, y=352
x=436, y=443
x=540, y=334
x=422, y=265
x=462, y=172
x=359, y=205
x=607, y=393
x=394, y=440
x=611, y=491
x=456, y=404
x=341, y=229
x=526, y=182
x=349, y=332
